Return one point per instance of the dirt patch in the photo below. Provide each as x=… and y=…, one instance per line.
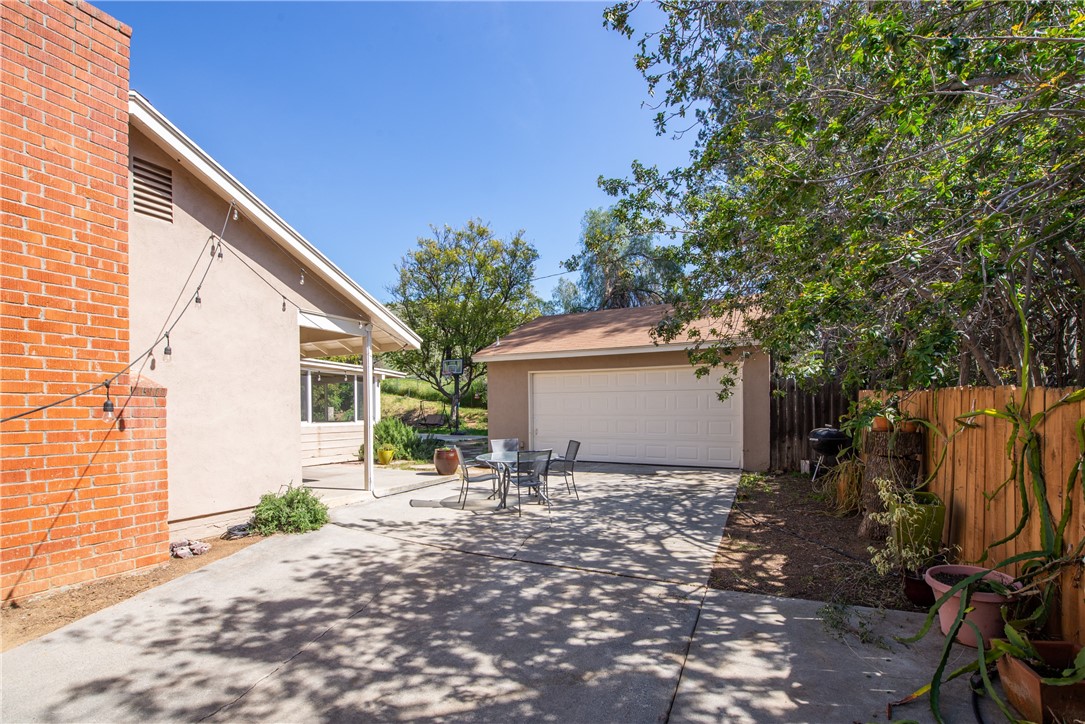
x=27, y=621
x=782, y=539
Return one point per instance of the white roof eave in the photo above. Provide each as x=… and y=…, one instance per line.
x=159, y=129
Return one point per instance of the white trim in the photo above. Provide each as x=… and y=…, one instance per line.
x=569, y=353
x=347, y=368
x=160, y=130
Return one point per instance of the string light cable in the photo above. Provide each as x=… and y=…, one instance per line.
x=164, y=331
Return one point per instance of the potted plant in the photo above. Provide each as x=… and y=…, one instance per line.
x=979, y=592
x=446, y=460
x=386, y=453
x=1043, y=680
x=915, y=520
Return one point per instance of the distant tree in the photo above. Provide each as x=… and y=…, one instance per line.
x=460, y=290
x=618, y=268
x=565, y=299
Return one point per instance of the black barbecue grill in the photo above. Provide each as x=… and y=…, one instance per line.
x=827, y=442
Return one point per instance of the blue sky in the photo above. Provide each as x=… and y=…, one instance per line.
x=363, y=123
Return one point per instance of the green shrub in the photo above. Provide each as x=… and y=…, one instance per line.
x=296, y=511
x=423, y=447
x=393, y=431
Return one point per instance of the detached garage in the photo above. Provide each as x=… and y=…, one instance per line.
x=597, y=377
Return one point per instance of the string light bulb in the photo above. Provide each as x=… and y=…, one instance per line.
x=167, y=353
x=220, y=251
x=107, y=406
x=154, y=362
x=301, y=280
x=199, y=302
x=235, y=213
x=284, y=304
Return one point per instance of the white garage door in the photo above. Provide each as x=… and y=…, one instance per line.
x=655, y=415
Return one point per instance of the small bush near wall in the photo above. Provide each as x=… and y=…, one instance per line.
x=295, y=511
x=408, y=443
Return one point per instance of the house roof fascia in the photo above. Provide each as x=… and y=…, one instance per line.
x=159, y=129
x=600, y=352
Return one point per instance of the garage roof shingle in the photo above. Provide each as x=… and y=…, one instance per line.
x=598, y=332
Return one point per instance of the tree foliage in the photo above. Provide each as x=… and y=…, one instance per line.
x=619, y=268
x=461, y=289
x=894, y=187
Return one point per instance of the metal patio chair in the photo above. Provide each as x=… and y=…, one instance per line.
x=530, y=473
x=567, y=463
x=509, y=444
x=466, y=478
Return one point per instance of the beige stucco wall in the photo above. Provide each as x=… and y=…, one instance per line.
x=508, y=393
x=233, y=383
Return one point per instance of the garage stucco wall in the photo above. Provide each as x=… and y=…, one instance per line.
x=509, y=393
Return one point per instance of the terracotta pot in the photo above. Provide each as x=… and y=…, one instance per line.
x=385, y=456
x=986, y=607
x=909, y=426
x=445, y=460
x=880, y=424
x=1035, y=700
x=917, y=591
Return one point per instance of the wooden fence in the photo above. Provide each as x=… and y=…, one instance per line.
x=976, y=462
x=793, y=413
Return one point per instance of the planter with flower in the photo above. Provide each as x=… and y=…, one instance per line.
x=386, y=453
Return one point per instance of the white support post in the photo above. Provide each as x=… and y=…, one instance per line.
x=308, y=395
x=356, y=406
x=367, y=372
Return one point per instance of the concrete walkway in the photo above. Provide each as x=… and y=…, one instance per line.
x=409, y=608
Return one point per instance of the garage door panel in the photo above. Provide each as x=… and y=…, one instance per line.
x=655, y=401
x=655, y=426
x=687, y=428
x=648, y=415
x=656, y=453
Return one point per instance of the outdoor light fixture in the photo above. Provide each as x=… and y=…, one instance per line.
x=199, y=301
x=167, y=353
x=107, y=406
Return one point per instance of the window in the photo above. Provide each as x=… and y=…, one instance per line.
x=331, y=398
x=152, y=189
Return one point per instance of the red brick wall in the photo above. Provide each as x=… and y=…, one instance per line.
x=79, y=498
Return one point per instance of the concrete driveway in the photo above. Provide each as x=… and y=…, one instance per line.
x=409, y=608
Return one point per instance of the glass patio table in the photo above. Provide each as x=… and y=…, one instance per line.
x=504, y=462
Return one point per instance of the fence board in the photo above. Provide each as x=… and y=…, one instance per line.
x=793, y=413
x=976, y=462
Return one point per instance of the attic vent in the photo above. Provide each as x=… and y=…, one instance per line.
x=153, y=189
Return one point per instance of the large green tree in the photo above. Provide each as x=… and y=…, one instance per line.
x=461, y=289
x=619, y=267
x=893, y=191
